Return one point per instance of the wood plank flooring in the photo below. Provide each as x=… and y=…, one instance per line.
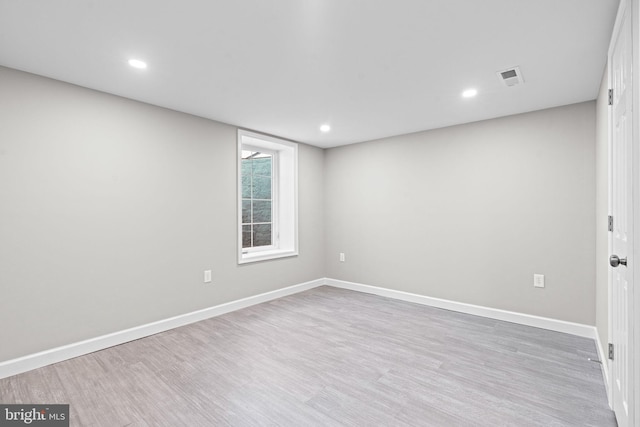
x=331, y=357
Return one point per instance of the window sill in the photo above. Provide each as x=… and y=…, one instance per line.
x=265, y=255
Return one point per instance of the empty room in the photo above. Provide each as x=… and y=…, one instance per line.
x=319, y=213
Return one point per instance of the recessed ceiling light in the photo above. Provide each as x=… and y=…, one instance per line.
x=325, y=128
x=469, y=93
x=136, y=63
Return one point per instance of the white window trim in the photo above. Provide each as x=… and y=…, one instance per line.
x=285, y=195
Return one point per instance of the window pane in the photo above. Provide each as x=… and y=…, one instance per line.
x=262, y=166
x=261, y=211
x=246, y=186
x=262, y=235
x=247, y=154
x=261, y=187
x=246, y=236
x=246, y=211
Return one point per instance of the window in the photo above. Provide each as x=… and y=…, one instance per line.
x=257, y=197
x=267, y=197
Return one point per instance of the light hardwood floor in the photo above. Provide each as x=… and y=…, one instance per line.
x=331, y=357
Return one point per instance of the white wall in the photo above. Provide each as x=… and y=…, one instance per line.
x=469, y=213
x=111, y=209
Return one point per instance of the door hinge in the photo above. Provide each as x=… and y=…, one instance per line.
x=610, y=96
x=610, y=351
x=610, y=223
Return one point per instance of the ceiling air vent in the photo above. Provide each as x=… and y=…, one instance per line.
x=511, y=76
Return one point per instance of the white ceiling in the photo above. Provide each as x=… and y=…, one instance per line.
x=369, y=68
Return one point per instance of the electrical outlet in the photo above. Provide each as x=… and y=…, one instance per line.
x=538, y=280
x=341, y=256
x=207, y=276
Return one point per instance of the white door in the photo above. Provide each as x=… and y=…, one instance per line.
x=621, y=278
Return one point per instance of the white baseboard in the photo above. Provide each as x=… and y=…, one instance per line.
x=58, y=354
x=603, y=356
x=477, y=310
